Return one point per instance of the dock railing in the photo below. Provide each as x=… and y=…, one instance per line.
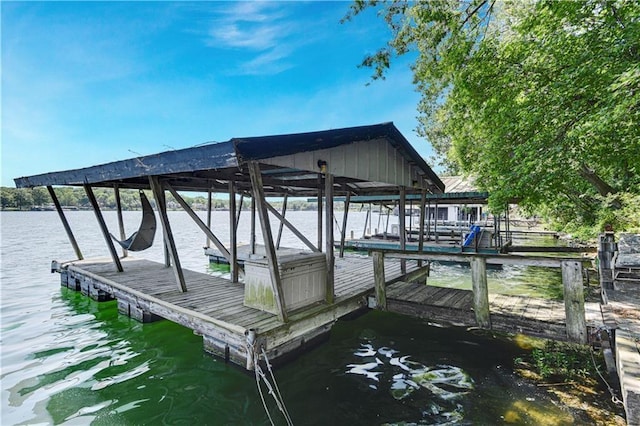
x=572, y=282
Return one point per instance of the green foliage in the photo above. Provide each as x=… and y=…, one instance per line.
x=539, y=100
x=563, y=361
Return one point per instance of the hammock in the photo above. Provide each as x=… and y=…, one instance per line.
x=143, y=238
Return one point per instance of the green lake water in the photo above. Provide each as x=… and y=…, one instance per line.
x=69, y=360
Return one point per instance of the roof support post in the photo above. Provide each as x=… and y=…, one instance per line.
x=65, y=223
x=103, y=226
x=343, y=234
x=423, y=199
x=270, y=250
x=233, y=249
x=116, y=191
x=329, y=247
x=210, y=235
x=158, y=194
x=239, y=210
x=429, y=220
x=402, y=227
x=252, y=237
x=319, y=211
x=284, y=213
x=209, y=208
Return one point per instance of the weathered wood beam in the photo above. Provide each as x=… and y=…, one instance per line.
x=574, y=301
x=343, y=234
x=158, y=194
x=65, y=223
x=270, y=250
x=291, y=227
x=281, y=227
x=493, y=259
x=480, y=292
x=207, y=230
x=123, y=236
x=233, y=240
x=103, y=227
x=329, y=247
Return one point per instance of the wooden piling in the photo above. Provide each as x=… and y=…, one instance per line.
x=574, y=301
x=379, y=280
x=480, y=292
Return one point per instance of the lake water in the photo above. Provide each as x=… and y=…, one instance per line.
x=69, y=360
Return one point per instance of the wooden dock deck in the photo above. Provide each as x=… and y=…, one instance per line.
x=213, y=306
x=509, y=314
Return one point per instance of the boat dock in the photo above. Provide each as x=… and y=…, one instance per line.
x=214, y=307
x=620, y=282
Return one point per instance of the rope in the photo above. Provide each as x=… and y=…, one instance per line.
x=614, y=398
x=277, y=396
x=284, y=408
x=264, y=404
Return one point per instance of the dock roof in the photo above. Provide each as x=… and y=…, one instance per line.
x=371, y=159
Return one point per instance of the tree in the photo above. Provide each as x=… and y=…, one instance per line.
x=40, y=196
x=540, y=101
x=7, y=197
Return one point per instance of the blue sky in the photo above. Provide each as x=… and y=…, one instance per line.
x=90, y=83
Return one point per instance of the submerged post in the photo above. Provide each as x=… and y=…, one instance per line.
x=379, y=280
x=103, y=226
x=170, y=245
x=65, y=223
x=574, y=301
x=480, y=291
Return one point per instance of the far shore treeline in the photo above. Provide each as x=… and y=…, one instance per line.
x=23, y=199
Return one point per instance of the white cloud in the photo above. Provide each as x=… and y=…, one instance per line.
x=267, y=33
